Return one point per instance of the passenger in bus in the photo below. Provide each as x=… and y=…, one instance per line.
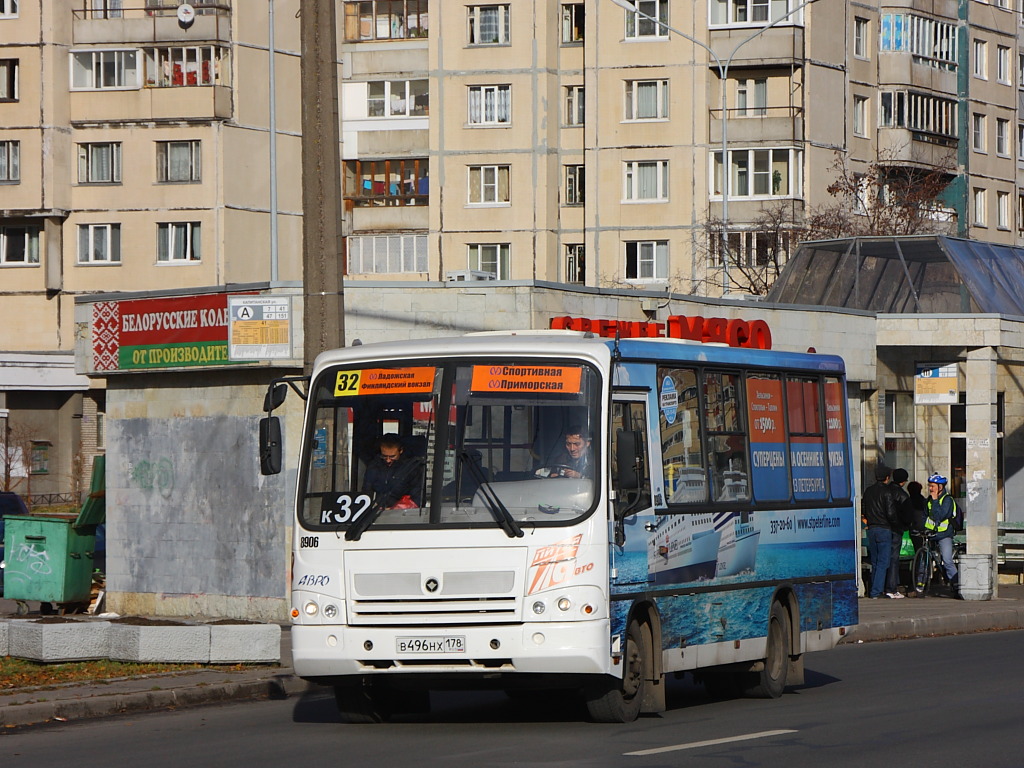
x=576, y=460
x=394, y=480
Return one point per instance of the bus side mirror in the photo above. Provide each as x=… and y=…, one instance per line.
x=629, y=460
x=270, y=445
x=276, y=394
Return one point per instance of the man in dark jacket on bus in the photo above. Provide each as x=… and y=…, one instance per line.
x=878, y=508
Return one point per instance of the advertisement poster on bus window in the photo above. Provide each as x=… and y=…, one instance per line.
x=767, y=439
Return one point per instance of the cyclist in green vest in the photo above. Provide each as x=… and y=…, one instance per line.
x=939, y=520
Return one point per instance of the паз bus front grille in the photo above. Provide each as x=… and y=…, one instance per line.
x=486, y=610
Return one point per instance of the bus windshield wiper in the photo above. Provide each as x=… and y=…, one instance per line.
x=496, y=506
x=358, y=528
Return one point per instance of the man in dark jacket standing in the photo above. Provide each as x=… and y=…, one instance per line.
x=878, y=507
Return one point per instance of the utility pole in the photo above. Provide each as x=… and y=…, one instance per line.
x=323, y=257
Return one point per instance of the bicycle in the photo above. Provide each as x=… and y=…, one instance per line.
x=928, y=561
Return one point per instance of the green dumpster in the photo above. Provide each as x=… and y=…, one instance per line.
x=50, y=559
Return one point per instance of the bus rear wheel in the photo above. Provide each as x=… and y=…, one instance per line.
x=619, y=701
x=770, y=681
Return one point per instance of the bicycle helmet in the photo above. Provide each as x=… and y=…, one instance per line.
x=937, y=479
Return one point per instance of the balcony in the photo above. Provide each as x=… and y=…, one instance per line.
x=917, y=149
x=155, y=21
x=151, y=104
x=778, y=46
x=755, y=125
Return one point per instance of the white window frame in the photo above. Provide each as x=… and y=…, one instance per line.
x=980, y=198
x=1002, y=137
x=8, y=9
x=94, y=167
x=640, y=28
x=87, y=67
x=1003, y=73
x=393, y=253
x=1020, y=141
x=860, y=116
x=632, y=95
x=165, y=165
x=575, y=104
x=918, y=112
x=573, y=23
x=29, y=253
x=487, y=182
x=650, y=259
x=10, y=161
x=979, y=127
x=1002, y=210
x=397, y=98
x=633, y=172
x=747, y=165
x=979, y=52
x=747, y=87
x=575, y=184
x=861, y=32
x=106, y=237
x=494, y=258
x=574, y=266
x=161, y=61
x=931, y=42
x=503, y=19
x=753, y=13
x=9, y=77
x=179, y=242
x=493, y=105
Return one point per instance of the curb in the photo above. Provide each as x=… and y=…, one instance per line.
x=933, y=626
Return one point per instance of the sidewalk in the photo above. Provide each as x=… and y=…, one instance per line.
x=879, y=620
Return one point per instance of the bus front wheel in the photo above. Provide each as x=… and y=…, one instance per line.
x=770, y=681
x=618, y=701
x=359, y=703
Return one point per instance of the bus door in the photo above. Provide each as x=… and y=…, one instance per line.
x=631, y=487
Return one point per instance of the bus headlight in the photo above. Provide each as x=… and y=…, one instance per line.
x=311, y=608
x=330, y=611
x=539, y=607
x=564, y=604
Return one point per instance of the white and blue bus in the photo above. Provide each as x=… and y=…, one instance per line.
x=708, y=528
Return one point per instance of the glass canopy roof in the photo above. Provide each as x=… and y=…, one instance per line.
x=931, y=274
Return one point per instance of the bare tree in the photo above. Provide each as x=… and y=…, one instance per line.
x=16, y=459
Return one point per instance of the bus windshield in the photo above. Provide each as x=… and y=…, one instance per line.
x=454, y=443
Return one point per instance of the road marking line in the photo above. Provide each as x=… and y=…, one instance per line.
x=710, y=743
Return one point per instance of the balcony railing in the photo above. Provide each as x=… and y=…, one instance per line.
x=150, y=21
x=150, y=9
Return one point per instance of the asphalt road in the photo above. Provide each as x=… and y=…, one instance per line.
x=936, y=701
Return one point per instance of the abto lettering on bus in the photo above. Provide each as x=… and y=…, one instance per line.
x=555, y=564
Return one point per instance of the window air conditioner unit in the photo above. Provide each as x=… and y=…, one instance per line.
x=463, y=275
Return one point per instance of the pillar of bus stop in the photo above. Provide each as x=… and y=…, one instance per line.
x=977, y=578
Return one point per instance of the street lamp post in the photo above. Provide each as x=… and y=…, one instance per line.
x=723, y=72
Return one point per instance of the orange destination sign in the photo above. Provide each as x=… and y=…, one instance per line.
x=384, y=381
x=527, y=378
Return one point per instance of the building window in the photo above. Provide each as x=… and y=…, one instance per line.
x=573, y=19
x=10, y=161
x=646, y=99
x=980, y=49
x=403, y=181
x=752, y=249
x=191, y=66
x=754, y=12
x=575, y=184
x=385, y=20
x=646, y=259
x=645, y=180
x=918, y=112
x=99, y=243
x=178, y=241
x=488, y=184
x=179, y=161
x=101, y=429
x=106, y=9
x=1020, y=141
x=760, y=172
x=931, y=43
x=860, y=110
x=19, y=245
x=489, y=25
x=1002, y=137
x=1003, y=65
x=8, y=9
x=980, y=204
x=490, y=257
x=490, y=104
x=99, y=162
x=751, y=97
x=1003, y=210
x=899, y=429
x=387, y=254
x=640, y=27
x=860, y=38
x=397, y=98
x=40, y=457
x=1020, y=215
x=574, y=105
x=8, y=79
x=978, y=124
x=103, y=70
x=575, y=263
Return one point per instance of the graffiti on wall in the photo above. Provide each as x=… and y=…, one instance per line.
x=154, y=475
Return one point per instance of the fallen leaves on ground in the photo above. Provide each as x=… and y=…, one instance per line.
x=18, y=673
